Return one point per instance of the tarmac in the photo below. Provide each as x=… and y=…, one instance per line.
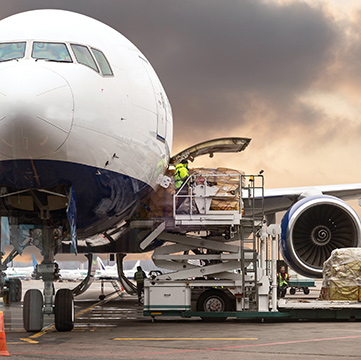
x=116, y=329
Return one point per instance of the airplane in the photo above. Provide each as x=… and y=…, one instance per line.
x=71, y=274
x=22, y=273
x=85, y=126
x=80, y=274
x=29, y=272
x=108, y=271
x=112, y=271
x=103, y=271
x=86, y=131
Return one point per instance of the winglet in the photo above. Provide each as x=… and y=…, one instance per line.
x=34, y=262
x=100, y=264
x=136, y=265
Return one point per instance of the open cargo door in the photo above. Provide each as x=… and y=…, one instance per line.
x=223, y=145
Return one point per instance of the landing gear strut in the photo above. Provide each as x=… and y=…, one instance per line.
x=37, y=305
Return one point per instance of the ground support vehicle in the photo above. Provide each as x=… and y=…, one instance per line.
x=224, y=262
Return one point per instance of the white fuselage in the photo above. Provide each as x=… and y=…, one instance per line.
x=24, y=273
x=64, y=112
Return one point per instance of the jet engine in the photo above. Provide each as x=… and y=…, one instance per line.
x=315, y=226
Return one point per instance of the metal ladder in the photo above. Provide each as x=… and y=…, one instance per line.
x=250, y=226
x=116, y=287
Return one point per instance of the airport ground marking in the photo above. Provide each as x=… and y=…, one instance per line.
x=241, y=346
x=82, y=312
x=182, y=339
x=31, y=338
x=30, y=341
x=131, y=354
x=51, y=327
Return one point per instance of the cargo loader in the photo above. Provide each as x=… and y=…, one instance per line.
x=223, y=256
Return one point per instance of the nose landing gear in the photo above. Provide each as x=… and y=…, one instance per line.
x=36, y=304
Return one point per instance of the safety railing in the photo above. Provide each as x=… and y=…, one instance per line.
x=218, y=197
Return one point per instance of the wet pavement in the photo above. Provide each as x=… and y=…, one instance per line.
x=116, y=329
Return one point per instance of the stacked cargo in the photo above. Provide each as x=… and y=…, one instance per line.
x=342, y=275
x=225, y=182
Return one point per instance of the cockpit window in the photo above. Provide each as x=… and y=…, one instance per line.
x=103, y=62
x=51, y=51
x=83, y=56
x=11, y=51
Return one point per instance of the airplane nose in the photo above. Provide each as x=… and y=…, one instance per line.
x=36, y=110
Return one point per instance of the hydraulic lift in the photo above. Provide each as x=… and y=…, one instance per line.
x=224, y=262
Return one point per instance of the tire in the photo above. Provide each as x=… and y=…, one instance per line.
x=292, y=291
x=213, y=301
x=64, y=310
x=101, y=297
x=33, y=310
x=15, y=289
x=306, y=290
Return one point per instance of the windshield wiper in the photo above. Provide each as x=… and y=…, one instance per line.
x=62, y=61
x=17, y=59
x=53, y=60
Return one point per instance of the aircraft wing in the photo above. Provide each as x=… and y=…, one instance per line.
x=276, y=200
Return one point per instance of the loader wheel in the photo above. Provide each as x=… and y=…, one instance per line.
x=306, y=290
x=292, y=291
x=213, y=301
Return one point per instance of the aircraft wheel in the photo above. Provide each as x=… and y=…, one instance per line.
x=213, y=301
x=33, y=310
x=64, y=310
x=101, y=297
x=292, y=291
x=306, y=290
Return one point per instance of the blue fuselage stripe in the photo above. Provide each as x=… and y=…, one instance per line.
x=103, y=197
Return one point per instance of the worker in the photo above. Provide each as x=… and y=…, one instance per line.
x=139, y=277
x=180, y=177
x=282, y=282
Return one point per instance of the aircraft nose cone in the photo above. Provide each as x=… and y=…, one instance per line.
x=36, y=111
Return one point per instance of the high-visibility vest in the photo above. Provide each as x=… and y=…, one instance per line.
x=180, y=176
x=139, y=277
x=282, y=281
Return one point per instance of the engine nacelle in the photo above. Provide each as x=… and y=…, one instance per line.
x=315, y=226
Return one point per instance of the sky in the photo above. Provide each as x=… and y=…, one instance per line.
x=286, y=73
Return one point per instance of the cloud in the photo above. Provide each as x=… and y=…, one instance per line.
x=214, y=57
x=269, y=70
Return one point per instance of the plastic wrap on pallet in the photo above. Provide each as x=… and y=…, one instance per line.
x=159, y=203
x=227, y=183
x=342, y=275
